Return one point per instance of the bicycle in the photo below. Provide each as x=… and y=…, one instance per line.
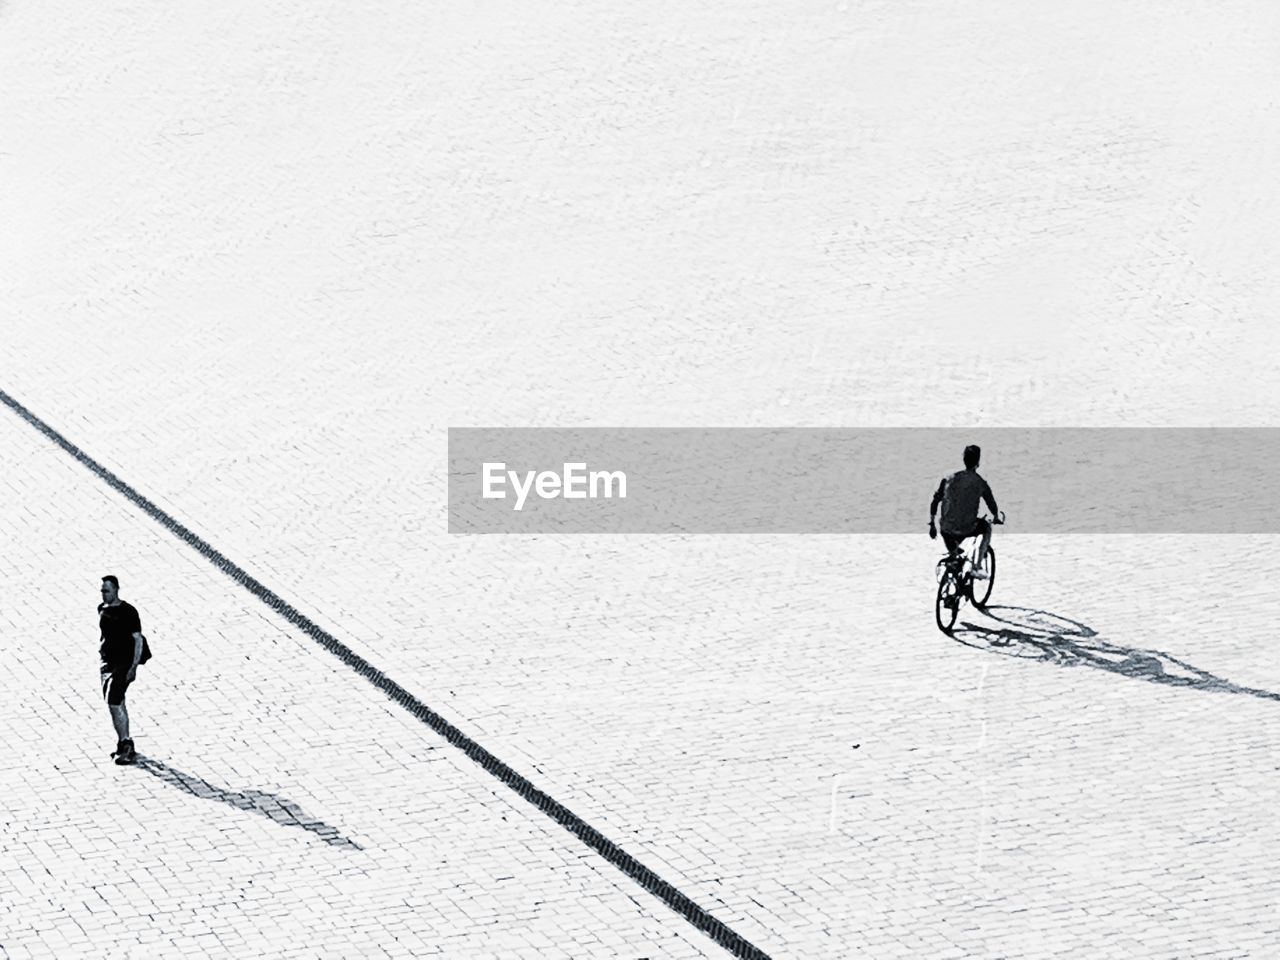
x=956, y=581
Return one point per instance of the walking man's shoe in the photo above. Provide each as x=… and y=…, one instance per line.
x=125, y=753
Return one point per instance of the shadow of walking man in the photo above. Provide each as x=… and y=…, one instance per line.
x=282, y=811
x=1039, y=635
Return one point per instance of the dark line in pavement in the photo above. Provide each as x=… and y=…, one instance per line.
x=633, y=868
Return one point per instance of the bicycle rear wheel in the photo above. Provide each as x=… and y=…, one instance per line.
x=980, y=590
x=946, y=607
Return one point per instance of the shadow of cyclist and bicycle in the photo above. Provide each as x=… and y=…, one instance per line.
x=1052, y=638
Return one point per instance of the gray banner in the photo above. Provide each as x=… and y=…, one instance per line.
x=798, y=480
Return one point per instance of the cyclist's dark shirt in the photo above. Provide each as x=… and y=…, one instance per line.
x=960, y=494
x=118, y=624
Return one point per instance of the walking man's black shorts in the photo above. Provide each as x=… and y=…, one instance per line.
x=114, y=684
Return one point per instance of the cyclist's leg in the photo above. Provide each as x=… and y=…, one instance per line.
x=983, y=529
x=952, y=542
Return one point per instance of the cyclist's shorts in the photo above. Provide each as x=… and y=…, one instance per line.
x=952, y=538
x=114, y=684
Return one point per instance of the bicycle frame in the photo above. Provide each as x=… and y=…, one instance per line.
x=956, y=581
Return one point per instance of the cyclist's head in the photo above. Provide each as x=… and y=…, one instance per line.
x=972, y=454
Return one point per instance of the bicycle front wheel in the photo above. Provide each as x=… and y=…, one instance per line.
x=946, y=606
x=980, y=590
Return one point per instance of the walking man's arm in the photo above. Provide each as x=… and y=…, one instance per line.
x=134, y=626
x=137, y=655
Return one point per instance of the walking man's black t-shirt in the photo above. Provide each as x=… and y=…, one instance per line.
x=119, y=624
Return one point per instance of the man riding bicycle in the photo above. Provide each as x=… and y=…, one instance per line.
x=959, y=495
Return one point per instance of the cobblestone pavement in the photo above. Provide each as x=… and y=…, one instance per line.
x=262, y=295
x=283, y=807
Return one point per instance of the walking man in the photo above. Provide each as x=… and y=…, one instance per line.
x=123, y=647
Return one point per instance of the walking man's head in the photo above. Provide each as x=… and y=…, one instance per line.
x=972, y=454
x=110, y=588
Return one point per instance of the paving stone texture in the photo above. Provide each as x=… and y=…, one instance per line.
x=258, y=257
